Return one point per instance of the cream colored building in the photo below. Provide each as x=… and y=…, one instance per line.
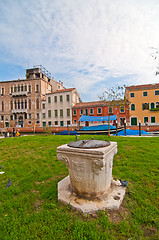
x=143, y=104
x=20, y=100
x=57, y=107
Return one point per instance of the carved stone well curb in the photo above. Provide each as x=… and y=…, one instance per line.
x=89, y=186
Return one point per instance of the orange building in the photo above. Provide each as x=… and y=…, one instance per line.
x=101, y=108
x=144, y=104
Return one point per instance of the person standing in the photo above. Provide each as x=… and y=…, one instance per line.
x=13, y=132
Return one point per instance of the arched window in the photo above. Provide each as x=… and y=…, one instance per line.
x=18, y=88
x=18, y=104
x=22, y=88
x=25, y=104
x=152, y=105
x=21, y=104
x=2, y=106
x=132, y=107
x=157, y=104
x=15, y=105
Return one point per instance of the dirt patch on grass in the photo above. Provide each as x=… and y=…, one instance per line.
x=128, y=148
x=117, y=216
x=150, y=231
x=34, y=191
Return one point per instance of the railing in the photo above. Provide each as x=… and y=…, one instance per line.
x=20, y=93
x=19, y=110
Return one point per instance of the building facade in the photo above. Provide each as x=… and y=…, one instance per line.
x=20, y=100
x=101, y=108
x=57, y=107
x=144, y=104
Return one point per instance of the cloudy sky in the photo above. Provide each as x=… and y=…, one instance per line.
x=88, y=44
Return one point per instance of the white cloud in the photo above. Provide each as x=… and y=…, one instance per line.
x=92, y=44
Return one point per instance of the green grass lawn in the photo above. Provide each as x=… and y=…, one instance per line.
x=29, y=209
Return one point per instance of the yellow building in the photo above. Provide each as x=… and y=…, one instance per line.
x=144, y=104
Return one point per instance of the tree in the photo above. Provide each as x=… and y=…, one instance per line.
x=113, y=96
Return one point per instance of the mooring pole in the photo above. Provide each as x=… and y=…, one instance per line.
x=125, y=126
x=139, y=127
x=116, y=123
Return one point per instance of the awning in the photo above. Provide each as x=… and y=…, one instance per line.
x=85, y=118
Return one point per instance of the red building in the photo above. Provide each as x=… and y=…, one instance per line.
x=101, y=108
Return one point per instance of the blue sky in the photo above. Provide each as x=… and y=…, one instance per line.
x=88, y=44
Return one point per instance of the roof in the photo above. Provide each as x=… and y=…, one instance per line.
x=97, y=103
x=62, y=90
x=143, y=87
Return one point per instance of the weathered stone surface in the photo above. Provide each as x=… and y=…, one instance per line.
x=112, y=200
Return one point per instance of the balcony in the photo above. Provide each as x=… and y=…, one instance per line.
x=20, y=93
x=19, y=111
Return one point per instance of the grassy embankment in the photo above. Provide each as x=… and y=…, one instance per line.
x=29, y=208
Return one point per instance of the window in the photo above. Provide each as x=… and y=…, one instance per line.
x=25, y=104
x=18, y=88
x=146, y=119
x=29, y=104
x=11, y=117
x=152, y=105
x=132, y=94
x=22, y=104
x=68, y=123
x=134, y=121
x=157, y=104
x=15, y=117
x=99, y=110
x=22, y=88
x=61, y=123
x=157, y=92
x=37, y=122
x=56, y=113
x=2, y=106
x=86, y=112
x=11, y=90
x=2, y=91
x=29, y=88
x=29, y=115
x=11, y=105
x=132, y=107
x=37, y=88
x=110, y=110
x=49, y=99
x=153, y=120
x=61, y=112
x=81, y=112
x=74, y=112
x=44, y=124
x=37, y=115
x=91, y=110
x=145, y=106
x=55, y=98
x=122, y=109
x=15, y=89
x=29, y=122
x=74, y=121
x=49, y=113
x=49, y=123
x=43, y=106
x=61, y=98
x=2, y=117
x=43, y=115
x=67, y=98
x=144, y=94
x=25, y=115
x=25, y=87
x=68, y=112
x=37, y=103
x=18, y=104
x=56, y=122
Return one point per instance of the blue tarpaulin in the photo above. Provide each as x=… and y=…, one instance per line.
x=85, y=118
x=65, y=132
x=97, y=128
x=131, y=132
